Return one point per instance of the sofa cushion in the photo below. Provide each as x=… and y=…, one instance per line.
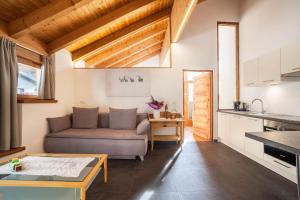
x=122, y=118
x=59, y=123
x=99, y=133
x=85, y=118
x=143, y=127
x=103, y=120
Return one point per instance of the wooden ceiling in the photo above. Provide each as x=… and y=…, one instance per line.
x=103, y=33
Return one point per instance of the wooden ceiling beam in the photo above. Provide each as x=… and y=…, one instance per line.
x=124, y=45
x=3, y=28
x=92, y=27
x=27, y=42
x=136, y=56
x=181, y=12
x=144, y=59
x=120, y=35
x=134, y=50
x=35, y=19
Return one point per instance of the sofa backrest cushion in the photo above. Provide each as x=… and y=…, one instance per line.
x=58, y=124
x=122, y=118
x=85, y=118
x=103, y=120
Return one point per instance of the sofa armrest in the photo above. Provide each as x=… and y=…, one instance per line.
x=143, y=127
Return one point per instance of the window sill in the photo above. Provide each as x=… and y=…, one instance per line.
x=12, y=151
x=29, y=100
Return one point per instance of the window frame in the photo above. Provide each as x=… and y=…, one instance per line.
x=32, y=59
x=237, y=29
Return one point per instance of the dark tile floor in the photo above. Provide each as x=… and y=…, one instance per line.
x=200, y=170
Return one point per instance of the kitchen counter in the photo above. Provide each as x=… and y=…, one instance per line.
x=285, y=140
x=269, y=116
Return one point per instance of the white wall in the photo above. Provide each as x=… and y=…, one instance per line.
x=197, y=49
x=34, y=116
x=266, y=25
x=151, y=62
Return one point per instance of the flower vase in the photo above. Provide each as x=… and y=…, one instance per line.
x=156, y=114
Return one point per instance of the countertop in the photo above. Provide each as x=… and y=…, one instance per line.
x=285, y=140
x=269, y=116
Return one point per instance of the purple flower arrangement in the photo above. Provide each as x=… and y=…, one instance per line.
x=156, y=105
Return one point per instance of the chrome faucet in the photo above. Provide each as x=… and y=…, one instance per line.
x=262, y=104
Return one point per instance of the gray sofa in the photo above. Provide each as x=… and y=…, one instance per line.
x=117, y=143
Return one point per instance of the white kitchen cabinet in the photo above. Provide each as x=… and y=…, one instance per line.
x=232, y=129
x=251, y=77
x=269, y=68
x=290, y=58
x=223, y=126
x=253, y=147
x=237, y=134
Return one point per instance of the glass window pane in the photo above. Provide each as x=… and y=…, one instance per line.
x=28, y=80
x=227, y=66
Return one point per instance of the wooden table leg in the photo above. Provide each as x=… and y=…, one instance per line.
x=82, y=193
x=182, y=132
x=105, y=170
x=178, y=134
x=152, y=138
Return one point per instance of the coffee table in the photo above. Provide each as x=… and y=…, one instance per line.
x=35, y=187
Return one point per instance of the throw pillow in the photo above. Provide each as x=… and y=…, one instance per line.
x=58, y=124
x=122, y=118
x=85, y=118
x=143, y=127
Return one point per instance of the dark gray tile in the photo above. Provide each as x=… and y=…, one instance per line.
x=198, y=170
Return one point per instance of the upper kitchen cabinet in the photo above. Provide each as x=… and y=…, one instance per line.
x=269, y=68
x=251, y=72
x=290, y=59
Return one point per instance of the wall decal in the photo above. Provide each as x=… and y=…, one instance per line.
x=127, y=83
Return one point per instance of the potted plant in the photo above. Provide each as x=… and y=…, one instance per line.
x=155, y=106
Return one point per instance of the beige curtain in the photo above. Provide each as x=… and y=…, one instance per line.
x=47, y=82
x=10, y=123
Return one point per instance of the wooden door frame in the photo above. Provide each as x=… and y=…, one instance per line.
x=211, y=96
x=237, y=37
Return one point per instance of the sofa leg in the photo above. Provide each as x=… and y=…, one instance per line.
x=142, y=158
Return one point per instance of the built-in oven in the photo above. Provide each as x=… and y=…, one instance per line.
x=286, y=157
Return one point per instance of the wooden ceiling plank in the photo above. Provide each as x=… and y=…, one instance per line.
x=144, y=59
x=123, y=46
x=135, y=49
x=28, y=41
x=92, y=27
x=181, y=12
x=35, y=19
x=3, y=28
x=136, y=56
x=115, y=37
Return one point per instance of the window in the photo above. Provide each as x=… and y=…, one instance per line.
x=228, y=64
x=28, y=80
x=29, y=64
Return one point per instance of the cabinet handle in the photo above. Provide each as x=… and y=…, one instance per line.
x=281, y=164
x=296, y=68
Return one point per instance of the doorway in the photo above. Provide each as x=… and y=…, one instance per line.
x=198, y=102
